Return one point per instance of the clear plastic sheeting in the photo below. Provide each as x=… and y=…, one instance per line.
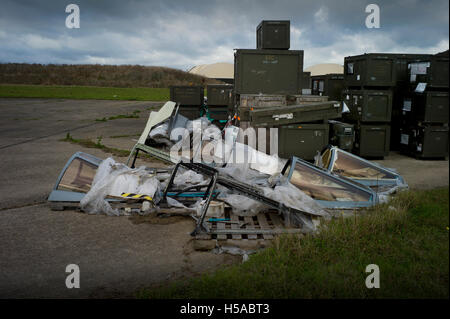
x=160, y=134
x=113, y=179
x=291, y=196
x=189, y=178
x=243, y=206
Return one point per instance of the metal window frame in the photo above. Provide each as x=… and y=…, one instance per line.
x=71, y=196
x=398, y=181
x=373, y=199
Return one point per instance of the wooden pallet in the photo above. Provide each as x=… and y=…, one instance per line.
x=260, y=227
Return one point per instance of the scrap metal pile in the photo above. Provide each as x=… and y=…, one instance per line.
x=209, y=170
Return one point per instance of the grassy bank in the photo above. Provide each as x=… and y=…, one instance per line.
x=408, y=239
x=84, y=92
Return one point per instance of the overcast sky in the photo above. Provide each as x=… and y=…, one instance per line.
x=185, y=33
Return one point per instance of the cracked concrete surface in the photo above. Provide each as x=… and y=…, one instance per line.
x=117, y=256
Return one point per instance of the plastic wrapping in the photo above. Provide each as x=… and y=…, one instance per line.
x=244, y=206
x=160, y=134
x=188, y=178
x=113, y=179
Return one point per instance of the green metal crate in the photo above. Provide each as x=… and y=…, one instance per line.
x=268, y=71
x=295, y=114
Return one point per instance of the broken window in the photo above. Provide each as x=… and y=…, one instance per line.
x=75, y=179
x=322, y=187
x=78, y=176
x=358, y=169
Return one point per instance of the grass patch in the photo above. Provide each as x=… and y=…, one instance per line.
x=134, y=115
x=122, y=136
x=84, y=92
x=111, y=150
x=407, y=238
x=98, y=144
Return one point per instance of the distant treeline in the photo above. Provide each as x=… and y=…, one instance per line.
x=98, y=75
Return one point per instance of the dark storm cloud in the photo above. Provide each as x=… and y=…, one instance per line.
x=185, y=33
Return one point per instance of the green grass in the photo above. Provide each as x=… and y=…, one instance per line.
x=98, y=144
x=409, y=242
x=134, y=115
x=84, y=92
x=110, y=150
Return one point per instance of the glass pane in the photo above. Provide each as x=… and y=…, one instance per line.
x=78, y=176
x=326, y=159
x=350, y=68
x=349, y=166
x=321, y=86
x=320, y=186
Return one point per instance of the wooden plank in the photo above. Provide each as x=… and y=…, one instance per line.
x=258, y=231
x=221, y=226
x=277, y=221
x=250, y=225
x=264, y=225
x=235, y=218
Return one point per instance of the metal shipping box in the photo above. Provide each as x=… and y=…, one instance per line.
x=372, y=140
x=266, y=100
x=342, y=135
x=306, y=80
x=401, y=65
x=191, y=112
x=187, y=95
x=219, y=113
x=369, y=105
x=425, y=141
x=295, y=114
x=330, y=85
x=305, y=99
x=268, y=71
x=372, y=69
x=427, y=107
x=219, y=94
x=273, y=35
x=302, y=140
x=433, y=72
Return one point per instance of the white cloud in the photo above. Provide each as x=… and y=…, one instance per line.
x=321, y=15
x=35, y=41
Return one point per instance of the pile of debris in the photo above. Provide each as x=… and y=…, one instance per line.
x=229, y=188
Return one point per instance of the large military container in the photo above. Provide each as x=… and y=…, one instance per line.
x=320, y=111
x=302, y=140
x=187, y=95
x=425, y=141
x=368, y=105
x=268, y=71
x=191, y=112
x=219, y=113
x=401, y=65
x=342, y=135
x=330, y=85
x=372, y=140
x=266, y=100
x=427, y=107
x=372, y=69
x=433, y=72
x=273, y=35
x=219, y=94
x=306, y=81
x=305, y=99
